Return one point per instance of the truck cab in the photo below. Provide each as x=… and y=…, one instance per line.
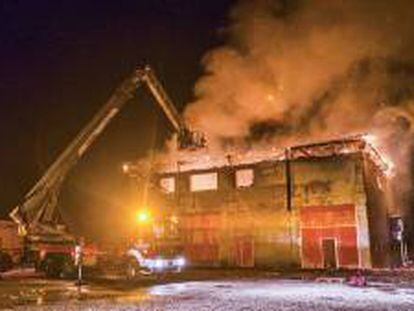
x=156, y=248
x=155, y=258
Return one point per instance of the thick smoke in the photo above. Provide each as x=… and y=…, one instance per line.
x=293, y=71
x=308, y=69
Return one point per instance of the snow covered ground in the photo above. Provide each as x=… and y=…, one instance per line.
x=19, y=273
x=262, y=294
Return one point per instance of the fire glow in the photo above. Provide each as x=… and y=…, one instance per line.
x=368, y=144
x=379, y=156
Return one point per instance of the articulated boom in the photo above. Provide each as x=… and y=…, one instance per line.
x=38, y=214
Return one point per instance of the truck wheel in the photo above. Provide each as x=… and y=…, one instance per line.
x=67, y=270
x=160, y=276
x=56, y=265
x=52, y=270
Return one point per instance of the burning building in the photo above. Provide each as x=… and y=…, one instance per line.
x=312, y=206
x=287, y=72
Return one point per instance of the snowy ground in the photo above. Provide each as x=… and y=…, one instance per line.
x=241, y=294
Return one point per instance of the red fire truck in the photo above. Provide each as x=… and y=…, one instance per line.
x=57, y=259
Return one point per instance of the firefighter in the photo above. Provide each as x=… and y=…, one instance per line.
x=79, y=259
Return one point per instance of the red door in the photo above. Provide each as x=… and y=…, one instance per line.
x=244, y=252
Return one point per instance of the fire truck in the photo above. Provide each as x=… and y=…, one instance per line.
x=155, y=248
x=48, y=242
x=57, y=258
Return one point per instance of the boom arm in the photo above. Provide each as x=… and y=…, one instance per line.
x=186, y=137
x=38, y=214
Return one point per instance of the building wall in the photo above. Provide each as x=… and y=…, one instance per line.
x=259, y=226
x=379, y=206
x=331, y=197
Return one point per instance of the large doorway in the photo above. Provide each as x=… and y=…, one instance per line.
x=329, y=254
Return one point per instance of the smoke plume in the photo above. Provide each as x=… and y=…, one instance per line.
x=309, y=68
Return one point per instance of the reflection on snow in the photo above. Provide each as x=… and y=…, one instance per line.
x=340, y=294
x=172, y=289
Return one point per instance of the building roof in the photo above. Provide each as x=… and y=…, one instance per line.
x=184, y=161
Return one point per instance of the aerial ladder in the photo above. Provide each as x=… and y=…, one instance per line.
x=38, y=217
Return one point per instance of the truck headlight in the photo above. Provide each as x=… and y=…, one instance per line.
x=159, y=263
x=180, y=262
x=148, y=263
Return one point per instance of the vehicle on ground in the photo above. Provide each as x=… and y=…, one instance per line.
x=59, y=259
x=157, y=258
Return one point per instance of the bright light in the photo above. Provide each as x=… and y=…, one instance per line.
x=180, y=262
x=143, y=216
x=270, y=97
x=159, y=264
x=388, y=165
x=390, y=170
x=370, y=139
x=125, y=168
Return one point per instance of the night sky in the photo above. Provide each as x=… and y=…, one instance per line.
x=60, y=61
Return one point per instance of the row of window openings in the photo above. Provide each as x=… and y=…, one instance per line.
x=208, y=181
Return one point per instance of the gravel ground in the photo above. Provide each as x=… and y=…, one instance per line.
x=239, y=294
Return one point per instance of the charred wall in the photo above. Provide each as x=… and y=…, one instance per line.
x=255, y=225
